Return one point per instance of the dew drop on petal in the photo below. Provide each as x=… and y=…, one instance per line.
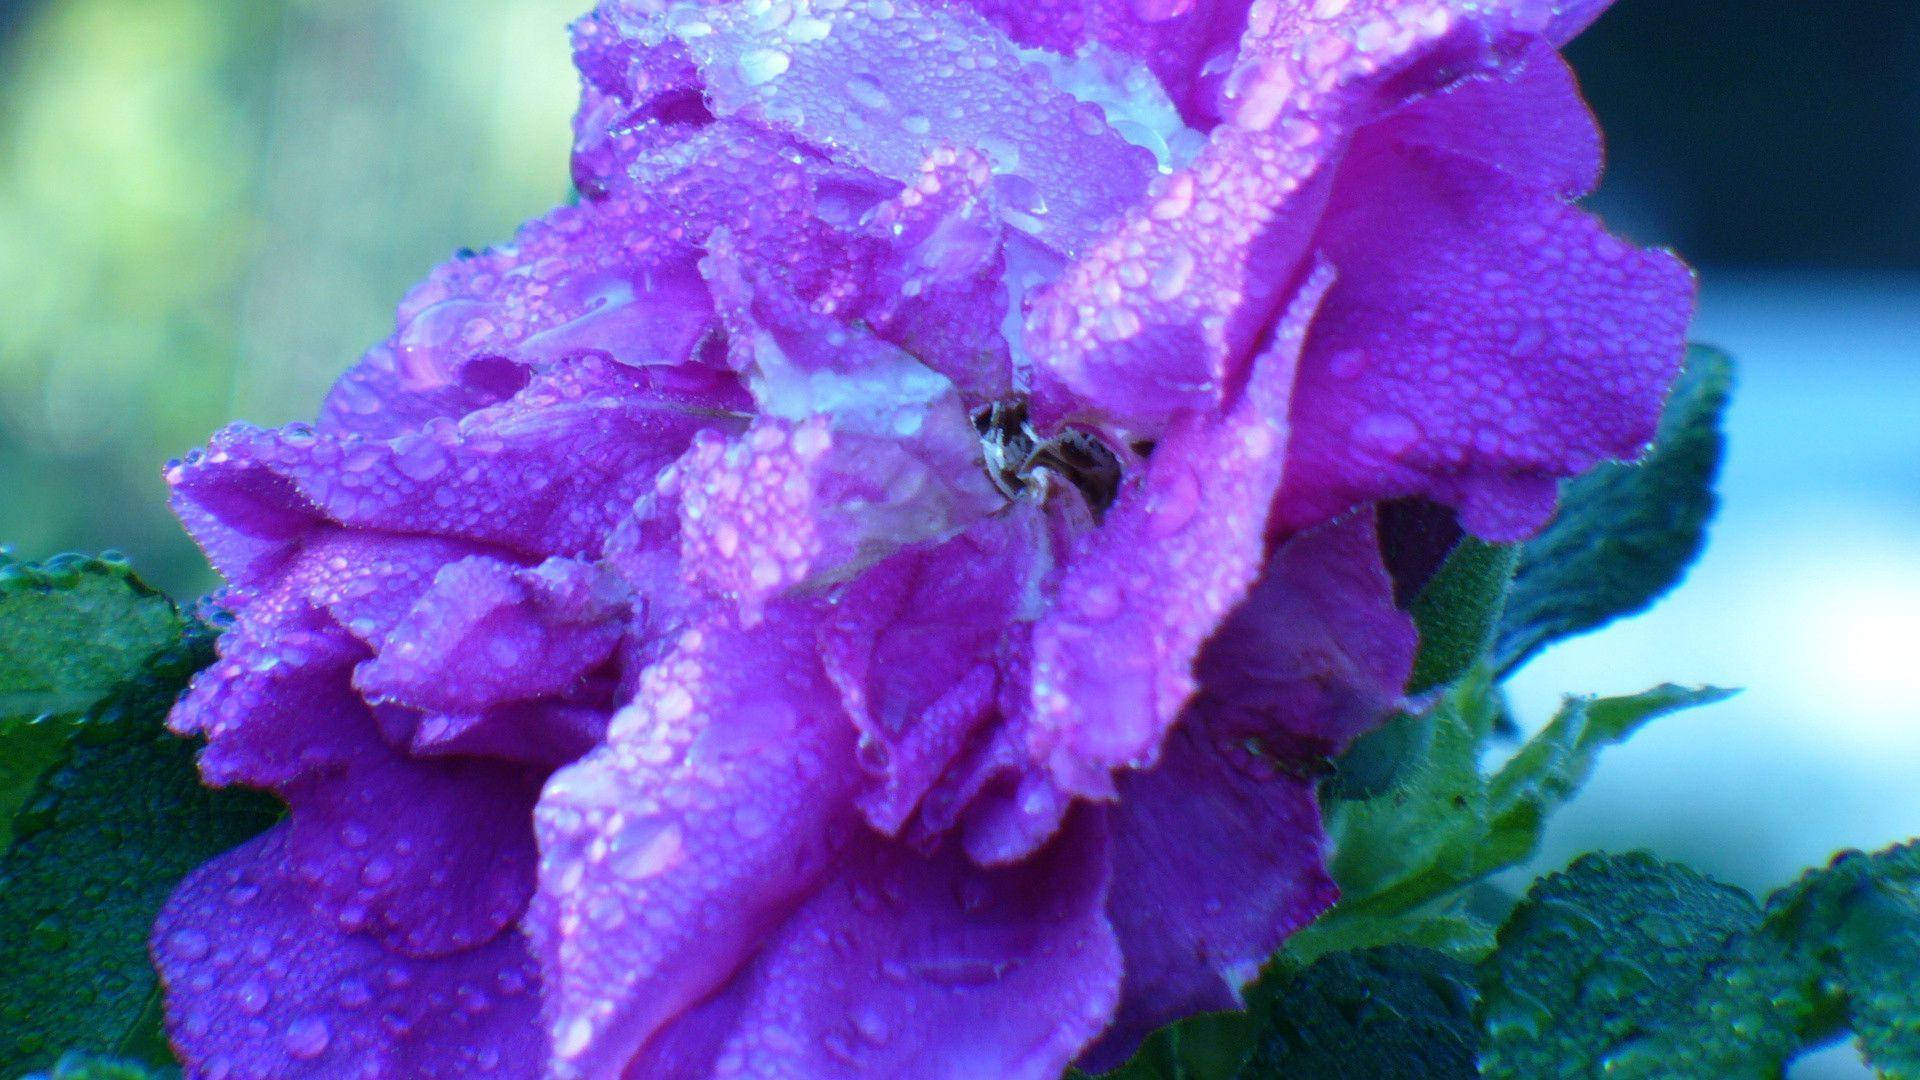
x=761, y=66
x=307, y=1037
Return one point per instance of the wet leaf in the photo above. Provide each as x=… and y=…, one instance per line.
x=1206, y=1046
x=1391, y=1013
x=1625, y=533
x=109, y=829
x=71, y=630
x=1625, y=966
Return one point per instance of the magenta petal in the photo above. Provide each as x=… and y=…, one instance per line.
x=939, y=292
x=1113, y=656
x=488, y=632
x=1318, y=653
x=1218, y=857
x=932, y=967
x=258, y=986
x=1484, y=340
x=1182, y=41
x=598, y=278
x=914, y=644
x=428, y=856
x=547, y=472
x=278, y=704
x=1153, y=317
x=859, y=450
x=1527, y=120
x=861, y=81
x=717, y=802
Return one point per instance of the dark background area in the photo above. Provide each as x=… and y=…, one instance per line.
x=1762, y=131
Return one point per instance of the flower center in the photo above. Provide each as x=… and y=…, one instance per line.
x=1020, y=462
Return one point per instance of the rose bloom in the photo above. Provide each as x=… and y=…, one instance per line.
x=868, y=590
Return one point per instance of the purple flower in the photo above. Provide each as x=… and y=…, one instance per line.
x=866, y=591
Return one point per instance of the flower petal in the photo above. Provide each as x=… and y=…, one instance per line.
x=547, y=472
x=1219, y=852
x=859, y=450
x=258, y=986
x=913, y=646
x=488, y=632
x=1217, y=859
x=1484, y=340
x=1062, y=168
x=717, y=802
x=601, y=278
x=904, y=965
x=1318, y=653
x=427, y=856
x=1113, y=656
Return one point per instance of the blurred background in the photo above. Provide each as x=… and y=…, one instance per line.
x=209, y=207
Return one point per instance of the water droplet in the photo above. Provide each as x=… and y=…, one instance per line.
x=1172, y=501
x=419, y=457
x=1171, y=276
x=916, y=123
x=1389, y=433
x=574, y=1037
x=188, y=944
x=865, y=90
x=806, y=29
x=646, y=848
x=761, y=66
x=871, y=1026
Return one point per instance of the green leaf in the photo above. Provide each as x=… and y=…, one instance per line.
x=1854, y=927
x=1392, y=1013
x=76, y=628
x=1625, y=533
x=87, y=1067
x=1552, y=765
x=1458, y=609
x=1205, y=1046
x=1623, y=966
x=1403, y=858
x=71, y=630
x=110, y=829
x=1458, y=934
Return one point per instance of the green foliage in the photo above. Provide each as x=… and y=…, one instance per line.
x=1206, y=1046
x=1853, y=929
x=1601, y=972
x=115, y=821
x=75, y=629
x=1625, y=532
x=1396, y=1012
x=1457, y=611
x=1628, y=967
x=1408, y=853
x=87, y=1067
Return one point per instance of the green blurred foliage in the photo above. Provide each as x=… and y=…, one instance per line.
x=208, y=208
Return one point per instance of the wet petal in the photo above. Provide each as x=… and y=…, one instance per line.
x=800, y=65
x=426, y=856
x=278, y=704
x=1153, y=317
x=938, y=292
x=488, y=632
x=1317, y=654
x=1484, y=340
x=913, y=646
x=717, y=802
x=547, y=472
x=904, y=965
x=1217, y=859
x=859, y=450
x=1113, y=657
x=602, y=278
x=258, y=986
